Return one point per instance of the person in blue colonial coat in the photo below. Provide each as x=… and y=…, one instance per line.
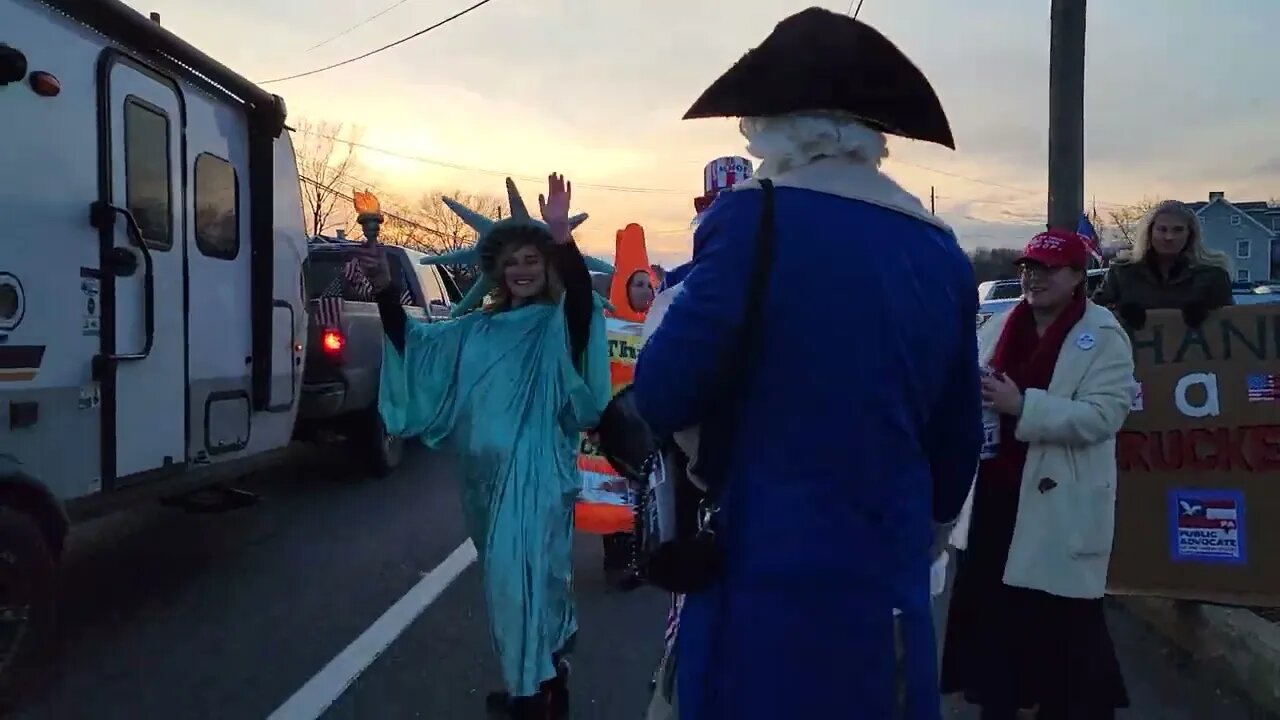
x=856, y=429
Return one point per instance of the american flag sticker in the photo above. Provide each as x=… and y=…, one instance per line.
x=1263, y=387
x=328, y=312
x=1207, y=526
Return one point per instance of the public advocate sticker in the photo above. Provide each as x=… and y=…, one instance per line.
x=1207, y=526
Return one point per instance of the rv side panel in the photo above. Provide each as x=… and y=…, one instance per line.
x=50, y=414
x=219, y=254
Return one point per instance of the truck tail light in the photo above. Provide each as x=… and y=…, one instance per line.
x=332, y=342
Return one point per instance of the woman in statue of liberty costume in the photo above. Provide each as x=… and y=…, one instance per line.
x=506, y=390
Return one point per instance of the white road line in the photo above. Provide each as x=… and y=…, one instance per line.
x=321, y=691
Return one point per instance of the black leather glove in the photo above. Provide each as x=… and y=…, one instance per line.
x=1194, y=314
x=1133, y=315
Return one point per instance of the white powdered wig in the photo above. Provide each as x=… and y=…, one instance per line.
x=791, y=141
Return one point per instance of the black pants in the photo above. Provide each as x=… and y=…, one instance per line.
x=1049, y=713
x=617, y=551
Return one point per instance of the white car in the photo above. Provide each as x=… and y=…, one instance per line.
x=997, y=296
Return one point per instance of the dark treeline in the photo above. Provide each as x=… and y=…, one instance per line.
x=993, y=263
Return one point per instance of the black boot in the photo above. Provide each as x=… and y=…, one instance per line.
x=501, y=704
x=997, y=712
x=531, y=708
x=557, y=691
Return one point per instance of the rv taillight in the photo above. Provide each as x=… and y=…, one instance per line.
x=45, y=84
x=332, y=341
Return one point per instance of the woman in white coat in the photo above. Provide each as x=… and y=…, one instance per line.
x=1026, y=626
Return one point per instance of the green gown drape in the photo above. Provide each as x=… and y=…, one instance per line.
x=499, y=391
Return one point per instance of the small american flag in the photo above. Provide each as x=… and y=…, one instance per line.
x=361, y=288
x=673, y=622
x=328, y=311
x=1263, y=387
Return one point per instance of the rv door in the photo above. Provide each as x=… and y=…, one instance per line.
x=144, y=385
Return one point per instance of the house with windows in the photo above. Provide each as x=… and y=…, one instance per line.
x=1245, y=231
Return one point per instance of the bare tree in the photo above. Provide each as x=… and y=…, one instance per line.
x=447, y=231
x=452, y=232
x=326, y=159
x=1121, y=223
x=993, y=263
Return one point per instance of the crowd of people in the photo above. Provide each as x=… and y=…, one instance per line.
x=836, y=460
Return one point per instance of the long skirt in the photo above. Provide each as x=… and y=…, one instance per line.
x=1009, y=647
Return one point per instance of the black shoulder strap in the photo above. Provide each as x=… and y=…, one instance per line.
x=756, y=290
x=716, y=436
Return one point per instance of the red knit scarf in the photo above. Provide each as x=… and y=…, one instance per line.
x=1028, y=359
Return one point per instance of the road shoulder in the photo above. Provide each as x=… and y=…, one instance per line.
x=1238, y=646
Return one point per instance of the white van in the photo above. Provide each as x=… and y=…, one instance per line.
x=151, y=312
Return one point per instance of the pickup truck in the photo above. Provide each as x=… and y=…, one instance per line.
x=344, y=345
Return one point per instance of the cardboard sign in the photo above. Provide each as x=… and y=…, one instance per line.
x=604, y=505
x=1198, y=497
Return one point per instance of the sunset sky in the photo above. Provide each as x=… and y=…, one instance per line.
x=1180, y=97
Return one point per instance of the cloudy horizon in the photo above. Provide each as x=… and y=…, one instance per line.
x=596, y=90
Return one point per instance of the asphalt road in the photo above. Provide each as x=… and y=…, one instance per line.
x=174, y=616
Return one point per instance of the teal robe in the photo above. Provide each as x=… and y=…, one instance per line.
x=500, y=393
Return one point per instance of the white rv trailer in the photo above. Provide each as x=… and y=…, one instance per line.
x=151, y=310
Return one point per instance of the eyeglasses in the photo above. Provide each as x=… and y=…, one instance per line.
x=1029, y=270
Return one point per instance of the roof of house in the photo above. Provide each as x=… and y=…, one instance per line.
x=1261, y=212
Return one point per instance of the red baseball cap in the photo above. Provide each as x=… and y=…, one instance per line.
x=1056, y=248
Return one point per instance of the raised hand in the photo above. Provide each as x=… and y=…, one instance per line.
x=555, y=207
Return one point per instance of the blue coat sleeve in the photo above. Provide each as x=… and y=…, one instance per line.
x=955, y=423
x=677, y=369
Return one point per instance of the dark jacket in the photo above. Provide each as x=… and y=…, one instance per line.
x=1139, y=283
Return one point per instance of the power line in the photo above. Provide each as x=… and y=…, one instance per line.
x=388, y=46
x=649, y=190
x=344, y=196
x=357, y=26
x=487, y=171
x=980, y=181
x=666, y=191
x=855, y=12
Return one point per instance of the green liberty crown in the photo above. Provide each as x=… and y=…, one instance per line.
x=484, y=253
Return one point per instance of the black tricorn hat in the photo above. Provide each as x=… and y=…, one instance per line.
x=821, y=60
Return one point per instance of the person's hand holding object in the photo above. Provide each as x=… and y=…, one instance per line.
x=373, y=263
x=1001, y=393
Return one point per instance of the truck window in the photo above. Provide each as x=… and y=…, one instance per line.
x=437, y=301
x=217, y=208
x=334, y=274
x=148, y=192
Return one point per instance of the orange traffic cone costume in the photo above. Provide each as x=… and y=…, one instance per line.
x=604, y=507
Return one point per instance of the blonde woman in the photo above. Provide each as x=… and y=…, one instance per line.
x=1170, y=267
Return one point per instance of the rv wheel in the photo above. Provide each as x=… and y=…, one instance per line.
x=27, y=573
x=383, y=451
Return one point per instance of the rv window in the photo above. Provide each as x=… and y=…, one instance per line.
x=217, y=208
x=148, y=192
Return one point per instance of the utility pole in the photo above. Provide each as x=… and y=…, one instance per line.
x=932, y=201
x=1066, y=113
